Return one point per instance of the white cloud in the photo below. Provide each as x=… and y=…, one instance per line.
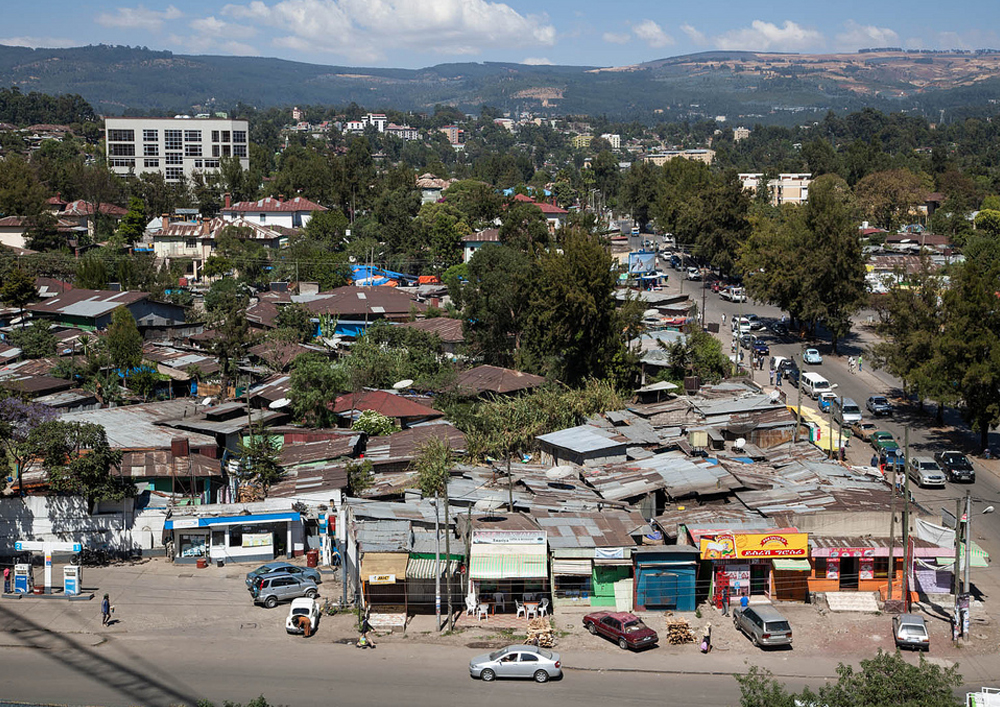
x=363, y=29
x=36, y=42
x=617, y=37
x=652, y=34
x=694, y=35
x=857, y=36
x=536, y=61
x=139, y=18
x=765, y=36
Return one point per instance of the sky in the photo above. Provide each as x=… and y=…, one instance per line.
x=418, y=33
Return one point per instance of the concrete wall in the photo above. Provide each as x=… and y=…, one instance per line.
x=847, y=523
x=63, y=519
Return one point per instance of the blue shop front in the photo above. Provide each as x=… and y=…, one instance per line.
x=247, y=537
x=665, y=577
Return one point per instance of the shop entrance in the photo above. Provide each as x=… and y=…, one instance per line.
x=848, y=573
x=758, y=579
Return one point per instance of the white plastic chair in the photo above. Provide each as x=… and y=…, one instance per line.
x=532, y=611
x=543, y=607
x=482, y=611
x=520, y=609
x=470, y=606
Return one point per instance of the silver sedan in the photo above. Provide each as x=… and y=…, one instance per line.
x=528, y=662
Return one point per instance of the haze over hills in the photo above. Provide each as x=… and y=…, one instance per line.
x=743, y=86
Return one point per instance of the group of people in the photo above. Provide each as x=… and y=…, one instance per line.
x=854, y=364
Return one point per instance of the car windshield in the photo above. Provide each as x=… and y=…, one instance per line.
x=929, y=466
x=633, y=626
x=496, y=654
x=912, y=630
x=878, y=401
x=778, y=626
x=852, y=410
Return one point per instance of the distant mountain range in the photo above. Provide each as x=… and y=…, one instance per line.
x=745, y=87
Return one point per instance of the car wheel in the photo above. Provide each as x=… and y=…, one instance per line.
x=311, y=593
x=270, y=602
x=592, y=628
x=488, y=675
x=541, y=676
x=755, y=641
x=623, y=644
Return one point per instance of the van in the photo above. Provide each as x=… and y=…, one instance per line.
x=764, y=625
x=813, y=384
x=846, y=411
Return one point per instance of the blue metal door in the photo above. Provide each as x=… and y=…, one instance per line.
x=657, y=588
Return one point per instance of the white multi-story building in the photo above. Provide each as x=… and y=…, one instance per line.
x=615, y=140
x=788, y=188
x=175, y=147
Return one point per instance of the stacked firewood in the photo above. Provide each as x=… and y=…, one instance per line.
x=540, y=633
x=678, y=631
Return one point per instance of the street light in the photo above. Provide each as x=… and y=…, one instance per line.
x=962, y=622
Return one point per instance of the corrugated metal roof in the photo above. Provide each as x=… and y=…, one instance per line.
x=609, y=528
x=384, y=535
x=584, y=439
x=138, y=426
x=673, y=472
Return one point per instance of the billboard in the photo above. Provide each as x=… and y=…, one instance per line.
x=640, y=262
x=744, y=546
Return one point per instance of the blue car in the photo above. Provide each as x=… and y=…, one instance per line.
x=812, y=357
x=286, y=567
x=825, y=400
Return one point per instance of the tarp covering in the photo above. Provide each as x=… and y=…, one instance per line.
x=382, y=563
x=577, y=568
x=423, y=568
x=791, y=564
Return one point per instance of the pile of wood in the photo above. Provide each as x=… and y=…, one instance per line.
x=540, y=633
x=678, y=631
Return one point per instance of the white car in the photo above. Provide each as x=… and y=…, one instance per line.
x=302, y=607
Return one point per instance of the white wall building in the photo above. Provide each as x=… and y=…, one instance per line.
x=788, y=188
x=615, y=140
x=174, y=147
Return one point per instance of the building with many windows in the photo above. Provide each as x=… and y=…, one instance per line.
x=175, y=147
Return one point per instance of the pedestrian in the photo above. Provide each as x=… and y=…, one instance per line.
x=6, y=580
x=771, y=376
x=777, y=378
x=744, y=602
x=725, y=600
x=105, y=611
x=875, y=460
x=706, y=641
x=723, y=319
x=859, y=364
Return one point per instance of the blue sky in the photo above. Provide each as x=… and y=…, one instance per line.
x=416, y=33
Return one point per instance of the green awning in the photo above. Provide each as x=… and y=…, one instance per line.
x=423, y=568
x=980, y=558
x=510, y=566
x=786, y=563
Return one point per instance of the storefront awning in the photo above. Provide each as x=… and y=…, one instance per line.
x=979, y=556
x=575, y=568
x=384, y=565
x=791, y=564
x=424, y=568
x=513, y=561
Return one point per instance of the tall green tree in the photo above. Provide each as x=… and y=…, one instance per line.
x=434, y=462
x=123, y=340
x=314, y=386
x=725, y=225
x=17, y=290
x=888, y=198
x=133, y=226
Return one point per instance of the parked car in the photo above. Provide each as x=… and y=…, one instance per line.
x=627, y=630
x=287, y=567
x=764, y=625
x=303, y=606
x=956, y=465
x=910, y=631
x=733, y=294
x=925, y=471
x=269, y=589
x=779, y=328
x=756, y=323
x=812, y=357
x=538, y=664
x=879, y=405
x=864, y=430
x=883, y=441
x=693, y=273
x=825, y=400
x=741, y=325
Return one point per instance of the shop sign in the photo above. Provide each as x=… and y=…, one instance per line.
x=852, y=552
x=866, y=569
x=256, y=539
x=185, y=523
x=729, y=546
x=508, y=537
x=381, y=579
x=833, y=569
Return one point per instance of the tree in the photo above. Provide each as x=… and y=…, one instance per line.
x=697, y=354
x=123, y=341
x=758, y=688
x=360, y=476
x=434, y=462
x=639, y=191
x=133, y=226
x=988, y=221
x=296, y=323
x=374, y=424
x=231, y=342
x=315, y=384
x=79, y=460
x=724, y=225
x=259, y=458
x=17, y=289
x=36, y=341
x=888, y=198
x=18, y=418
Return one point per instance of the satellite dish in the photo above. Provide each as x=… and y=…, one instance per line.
x=206, y=401
x=560, y=472
x=403, y=384
x=279, y=403
x=740, y=443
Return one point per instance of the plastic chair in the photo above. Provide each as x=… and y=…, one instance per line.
x=470, y=606
x=520, y=609
x=482, y=611
x=532, y=611
x=543, y=607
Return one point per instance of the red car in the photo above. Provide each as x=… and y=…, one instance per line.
x=626, y=629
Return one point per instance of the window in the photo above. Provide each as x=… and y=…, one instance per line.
x=225, y=151
x=151, y=135
x=175, y=158
x=198, y=164
x=192, y=150
x=218, y=537
x=192, y=136
x=239, y=150
x=820, y=564
x=529, y=658
x=225, y=136
x=215, y=136
x=173, y=139
x=152, y=163
x=151, y=150
x=121, y=135
x=121, y=150
x=174, y=173
x=240, y=136
x=263, y=218
x=881, y=568
x=215, y=151
x=211, y=164
x=235, y=537
x=121, y=162
x=191, y=243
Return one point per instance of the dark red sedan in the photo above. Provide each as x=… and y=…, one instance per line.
x=625, y=629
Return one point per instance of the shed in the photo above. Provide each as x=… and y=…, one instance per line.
x=583, y=444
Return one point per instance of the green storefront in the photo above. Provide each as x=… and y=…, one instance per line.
x=588, y=575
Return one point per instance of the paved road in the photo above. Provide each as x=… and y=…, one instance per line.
x=297, y=673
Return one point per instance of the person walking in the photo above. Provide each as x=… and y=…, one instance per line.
x=770, y=376
x=6, y=580
x=850, y=364
x=723, y=319
x=859, y=364
x=725, y=600
x=875, y=461
x=105, y=611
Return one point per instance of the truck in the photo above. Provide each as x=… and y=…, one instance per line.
x=733, y=294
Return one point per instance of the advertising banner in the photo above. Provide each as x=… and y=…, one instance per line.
x=728, y=546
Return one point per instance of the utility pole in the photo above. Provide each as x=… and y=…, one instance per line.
x=968, y=543
x=798, y=409
x=956, y=574
x=437, y=559
x=892, y=533
x=450, y=622
x=907, y=561
x=830, y=411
